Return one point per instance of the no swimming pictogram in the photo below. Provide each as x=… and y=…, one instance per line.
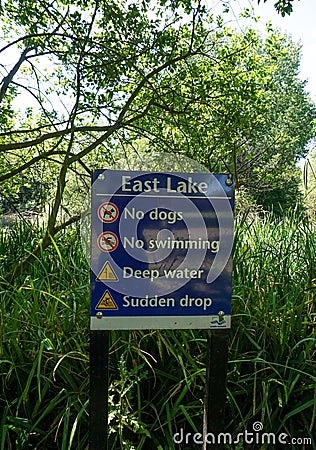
x=107, y=241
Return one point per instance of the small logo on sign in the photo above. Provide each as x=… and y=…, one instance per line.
x=221, y=322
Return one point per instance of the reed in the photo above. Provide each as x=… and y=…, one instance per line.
x=158, y=377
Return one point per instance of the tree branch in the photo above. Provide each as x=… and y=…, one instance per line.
x=52, y=135
x=7, y=80
x=29, y=163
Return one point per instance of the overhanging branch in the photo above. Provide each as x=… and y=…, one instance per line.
x=7, y=80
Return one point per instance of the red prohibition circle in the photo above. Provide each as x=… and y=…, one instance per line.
x=108, y=212
x=107, y=241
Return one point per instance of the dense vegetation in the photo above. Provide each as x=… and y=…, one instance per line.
x=92, y=83
x=158, y=377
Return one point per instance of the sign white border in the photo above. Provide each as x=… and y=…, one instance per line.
x=165, y=322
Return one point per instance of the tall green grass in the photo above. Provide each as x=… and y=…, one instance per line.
x=44, y=358
x=157, y=378
x=273, y=349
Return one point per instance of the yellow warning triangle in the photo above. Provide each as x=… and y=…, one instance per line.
x=107, y=273
x=107, y=302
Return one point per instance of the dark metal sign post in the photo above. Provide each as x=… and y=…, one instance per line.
x=215, y=391
x=161, y=258
x=99, y=388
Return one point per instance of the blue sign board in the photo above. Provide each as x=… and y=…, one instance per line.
x=161, y=250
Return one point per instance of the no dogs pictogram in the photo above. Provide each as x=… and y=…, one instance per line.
x=108, y=241
x=108, y=212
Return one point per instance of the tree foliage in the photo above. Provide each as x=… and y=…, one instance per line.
x=249, y=113
x=283, y=7
x=309, y=183
x=92, y=69
x=100, y=77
